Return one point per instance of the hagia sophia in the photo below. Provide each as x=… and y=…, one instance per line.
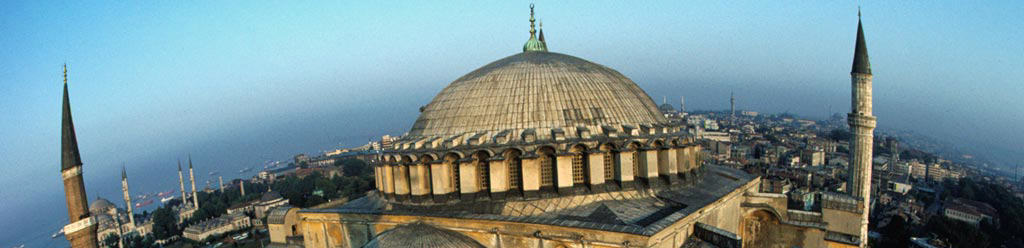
x=543, y=149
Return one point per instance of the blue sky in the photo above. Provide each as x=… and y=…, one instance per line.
x=236, y=82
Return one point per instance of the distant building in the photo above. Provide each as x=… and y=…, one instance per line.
x=267, y=201
x=216, y=226
x=973, y=212
x=813, y=156
x=301, y=158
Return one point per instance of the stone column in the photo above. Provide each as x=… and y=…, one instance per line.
x=563, y=173
x=667, y=165
x=498, y=177
x=624, y=169
x=441, y=181
x=649, y=166
x=401, y=172
x=595, y=158
x=682, y=163
x=388, y=180
x=531, y=175
x=468, y=179
x=418, y=181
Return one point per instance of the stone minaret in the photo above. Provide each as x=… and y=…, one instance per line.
x=682, y=104
x=732, y=106
x=81, y=232
x=181, y=181
x=862, y=124
x=241, y=186
x=221, y=178
x=127, y=196
x=192, y=177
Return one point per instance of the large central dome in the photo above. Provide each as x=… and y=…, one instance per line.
x=536, y=90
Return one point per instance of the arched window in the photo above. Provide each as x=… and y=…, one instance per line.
x=609, y=162
x=483, y=171
x=579, y=165
x=452, y=161
x=515, y=170
x=547, y=167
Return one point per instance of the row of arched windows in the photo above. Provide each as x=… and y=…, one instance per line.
x=548, y=171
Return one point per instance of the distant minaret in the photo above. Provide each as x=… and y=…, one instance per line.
x=221, y=178
x=241, y=186
x=682, y=104
x=181, y=181
x=732, y=105
x=127, y=196
x=192, y=177
x=81, y=232
x=862, y=124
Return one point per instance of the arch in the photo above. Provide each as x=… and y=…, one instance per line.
x=427, y=157
x=407, y=159
x=547, y=166
x=483, y=170
x=674, y=141
x=580, y=164
x=657, y=143
x=760, y=228
x=505, y=152
x=488, y=152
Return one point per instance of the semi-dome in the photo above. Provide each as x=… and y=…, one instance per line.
x=422, y=235
x=537, y=90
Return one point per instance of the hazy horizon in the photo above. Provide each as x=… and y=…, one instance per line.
x=234, y=84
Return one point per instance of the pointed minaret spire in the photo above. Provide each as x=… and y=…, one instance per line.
x=181, y=181
x=69, y=143
x=81, y=232
x=541, y=35
x=861, y=63
x=192, y=177
x=127, y=196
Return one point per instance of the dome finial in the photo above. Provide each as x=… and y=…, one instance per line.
x=534, y=45
x=532, y=31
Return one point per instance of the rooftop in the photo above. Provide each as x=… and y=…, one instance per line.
x=644, y=211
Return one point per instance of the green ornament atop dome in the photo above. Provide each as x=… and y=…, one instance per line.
x=533, y=44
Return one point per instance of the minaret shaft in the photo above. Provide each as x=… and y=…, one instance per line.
x=862, y=126
x=127, y=198
x=181, y=181
x=81, y=232
x=192, y=177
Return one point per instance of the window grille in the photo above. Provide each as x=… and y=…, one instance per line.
x=547, y=164
x=578, y=169
x=485, y=172
x=514, y=172
x=609, y=161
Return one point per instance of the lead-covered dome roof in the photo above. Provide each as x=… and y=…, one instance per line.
x=540, y=91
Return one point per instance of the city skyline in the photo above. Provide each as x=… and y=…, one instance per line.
x=263, y=87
